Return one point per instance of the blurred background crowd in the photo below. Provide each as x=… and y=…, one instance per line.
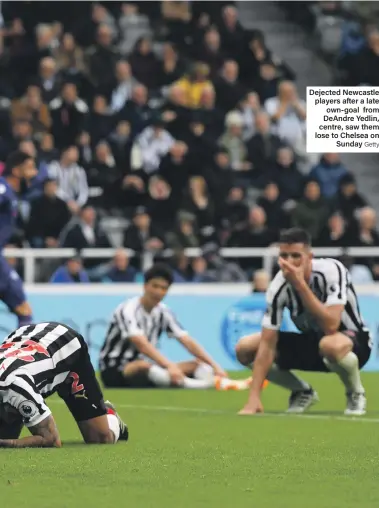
x=163, y=126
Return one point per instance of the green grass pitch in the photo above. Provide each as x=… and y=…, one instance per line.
x=189, y=449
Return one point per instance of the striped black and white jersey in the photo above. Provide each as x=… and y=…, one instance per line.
x=35, y=360
x=130, y=319
x=330, y=282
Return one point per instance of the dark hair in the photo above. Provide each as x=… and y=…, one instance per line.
x=14, y=160
x=159, y=271
x=295, y=235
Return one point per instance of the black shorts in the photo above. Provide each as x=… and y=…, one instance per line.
x=81, y=391
x=113, y=378
x=300, y=351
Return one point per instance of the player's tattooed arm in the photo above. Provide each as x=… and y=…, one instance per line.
x=45, y=435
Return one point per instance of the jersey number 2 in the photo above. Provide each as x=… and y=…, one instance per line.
x=24, y=350
x=75, y=387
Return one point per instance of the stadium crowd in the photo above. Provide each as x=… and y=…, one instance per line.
x=178, y=121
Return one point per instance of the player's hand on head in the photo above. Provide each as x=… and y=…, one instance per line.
x=176, y=374
x=253, y=407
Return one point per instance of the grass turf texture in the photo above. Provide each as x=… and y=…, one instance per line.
x=180, y=455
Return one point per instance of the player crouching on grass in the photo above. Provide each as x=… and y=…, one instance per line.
x=323, y=305
x=130, y=356
x=38, y=360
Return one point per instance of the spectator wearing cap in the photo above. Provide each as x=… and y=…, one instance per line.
x=151, y=146
x=49, y=214
x=142, y=234
x=194, y=83
x=69, y=114
x=233, y=143
x=219, y=269
x=120, y=270
x=185, y=234
x=328, y=174
x=71, y=272
x=71, y=179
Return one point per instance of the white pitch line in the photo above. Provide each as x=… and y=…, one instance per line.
x=180, y=409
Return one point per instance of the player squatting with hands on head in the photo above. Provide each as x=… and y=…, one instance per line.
x=323, y=305
x=130, y=355
x=18, y=174
x=37, y=361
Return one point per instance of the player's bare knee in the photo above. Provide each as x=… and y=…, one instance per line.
x=334, y=347
x=246, y=348
x=100, y=438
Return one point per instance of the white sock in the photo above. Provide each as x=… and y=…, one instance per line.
x=198, y=384
x=203, y=371
x=347, y=370
x=114, y=425
x=286, y=379
x=159, y=376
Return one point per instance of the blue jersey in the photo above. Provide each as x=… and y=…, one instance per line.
x=8, y=212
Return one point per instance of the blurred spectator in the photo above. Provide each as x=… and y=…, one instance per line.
x=335, y=234
x=69, y=58
x=71, y=179
x=360, y=274
x=193, y=84
x=162, y=203
x=286, y=174
x=47, y=151
x=150, y=147
x=261, y=281
x=229, y=91
x=249, y=107
x=200, y=272
x=328, y=174
x=133, y=25
x=233, y=212
x=209, y=51
x=181, y=267
x=349, y=201
x=102, y=57
x=174, y=167
x=31, y=108
x=71, y=272
x=144, y=63
x=273, y=205
x=219, y=269
x=100, y=121
x=48, y=216
x=288, y=114
x=268, y=80
x=137, y=110
x=312, y=210
x=120, y=271
x=233, y=143
x=142, y=234
x=362, y=68
x=184, y=235
x=172, y=67
x=48, y=79
x=68, y=114
x=176, y=20
x=86, y=233
x=86, y=28
x=120, y=143
x=200, y=204
x=263, y=146
x=232, y=34
x=120, y=89
x=103, y=172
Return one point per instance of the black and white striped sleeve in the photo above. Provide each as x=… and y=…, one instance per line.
x=20, y=392
x=276, y=300
x=172, y=326
x=126, y=318
x=336, y=277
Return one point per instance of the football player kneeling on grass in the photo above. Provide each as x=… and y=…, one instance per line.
x=130, y=358
x=38, y=360
x=333, y=337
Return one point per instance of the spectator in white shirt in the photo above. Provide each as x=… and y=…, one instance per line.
x=150, y=147
x=288, y=114
x=71, y=179
x=123, y=87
